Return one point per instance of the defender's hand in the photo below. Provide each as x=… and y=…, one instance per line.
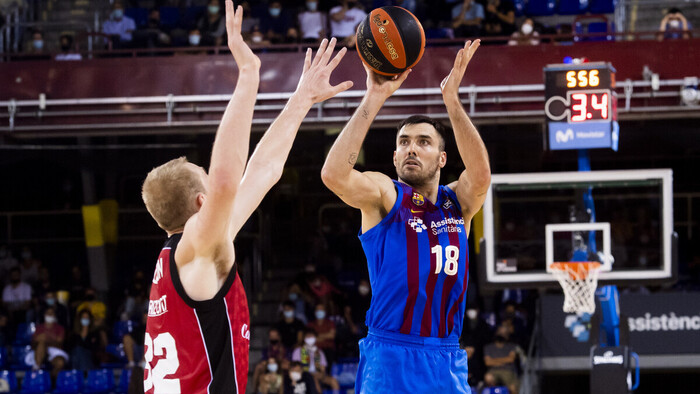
x=450, y=85
x=245, y=58
x=383, y=86
x=314, y=85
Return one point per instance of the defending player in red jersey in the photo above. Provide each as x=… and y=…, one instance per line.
x=197, y=334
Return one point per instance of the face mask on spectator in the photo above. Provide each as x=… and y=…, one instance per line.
x=295, y=376
x=275, y=12
x=674, y=23
x=320, y=315
x=213, y=9
x=85, y=322
x=272, y=367
x=312, y=5
x=293, y=296
x=526, y=28
x=288, y=314
x=117, y=14
x=257, y=38
x=194, y=39
x=50, y=301
x=49, y=319
x=310, y=341
x=38, y=44
x=471, y=313
x=363, y=290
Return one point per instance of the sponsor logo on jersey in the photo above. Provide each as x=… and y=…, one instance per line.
x=417, y=224
x=447, y=225
x=157, y=307
x=245, y=332
x=158, y=275
x=418, y=199
x=447, y=204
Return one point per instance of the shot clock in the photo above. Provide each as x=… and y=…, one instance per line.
x=581, y=106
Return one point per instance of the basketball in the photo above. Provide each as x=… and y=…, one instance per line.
x=390, y=40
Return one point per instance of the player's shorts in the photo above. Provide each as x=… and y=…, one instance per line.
x=391, y=362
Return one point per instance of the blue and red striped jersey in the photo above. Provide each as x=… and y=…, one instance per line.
x=418, y=265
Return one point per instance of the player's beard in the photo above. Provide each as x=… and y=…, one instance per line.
x=419, y=178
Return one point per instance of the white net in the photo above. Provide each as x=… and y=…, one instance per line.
x=579, y=281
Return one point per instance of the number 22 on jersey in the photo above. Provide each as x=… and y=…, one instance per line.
x=163, y=344
x=451, y=259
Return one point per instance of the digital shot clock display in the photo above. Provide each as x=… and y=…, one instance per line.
x=581, y=106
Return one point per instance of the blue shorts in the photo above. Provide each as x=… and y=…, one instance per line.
x=391, y=362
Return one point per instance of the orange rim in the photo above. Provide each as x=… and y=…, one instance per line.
x=577, y=270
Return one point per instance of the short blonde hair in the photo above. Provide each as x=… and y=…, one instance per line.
x=169, y=193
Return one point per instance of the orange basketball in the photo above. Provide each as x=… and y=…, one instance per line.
x=390, y=40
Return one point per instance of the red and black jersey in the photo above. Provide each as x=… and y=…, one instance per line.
x=195, y=346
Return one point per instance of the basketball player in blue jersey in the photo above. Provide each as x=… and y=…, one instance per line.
x=414, y=234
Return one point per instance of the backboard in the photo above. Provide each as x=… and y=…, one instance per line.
x=534, y=220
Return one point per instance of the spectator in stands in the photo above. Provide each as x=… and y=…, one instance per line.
x=16, y=297
x=312, y=23
x=212, y=25
x=84, y=342
x=7, y=262
x=96, y=307
x=356, y=309
x=515, y=322
x=344, y=21
x=47, y=344
x=314, y=361
x=500, y=357
x=277, y=24
x=475, y=334
x=271, y=381
x=290, y=328
x=275, y=350
x=301, y=299
x=526, y=35
x=29, y=266
x=5, y=334
x=325, y=330
x=500, y=18
x=60, y=310
x=674, y=26
x=467, y=18
x=37, y=43
x=119, y=27
x=153, y=35
x=322, y=289
x=298, y=381
x=67, y=49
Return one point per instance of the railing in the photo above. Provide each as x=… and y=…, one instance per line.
x=119, y=115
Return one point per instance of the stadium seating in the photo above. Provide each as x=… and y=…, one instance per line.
x=190, y=16
x=121, y=328
x=602, y=6
x=19, y=354
x=572, y=7
x=99, y=381
x=117, y=350
x=38, y=382
x=495, y=390
x=8, y=381
x=345, y=371
x=540, y=7
x=69, y=382
x=169, y=17
x=139, y=15
x=24, y=333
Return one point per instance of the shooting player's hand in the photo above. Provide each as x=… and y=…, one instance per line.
x=450, y=85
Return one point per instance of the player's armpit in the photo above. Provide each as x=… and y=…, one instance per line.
x=471, y=193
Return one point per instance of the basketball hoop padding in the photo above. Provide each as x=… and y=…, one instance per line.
x=579, y=281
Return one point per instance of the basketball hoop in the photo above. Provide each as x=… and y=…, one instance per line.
x=579, y=279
